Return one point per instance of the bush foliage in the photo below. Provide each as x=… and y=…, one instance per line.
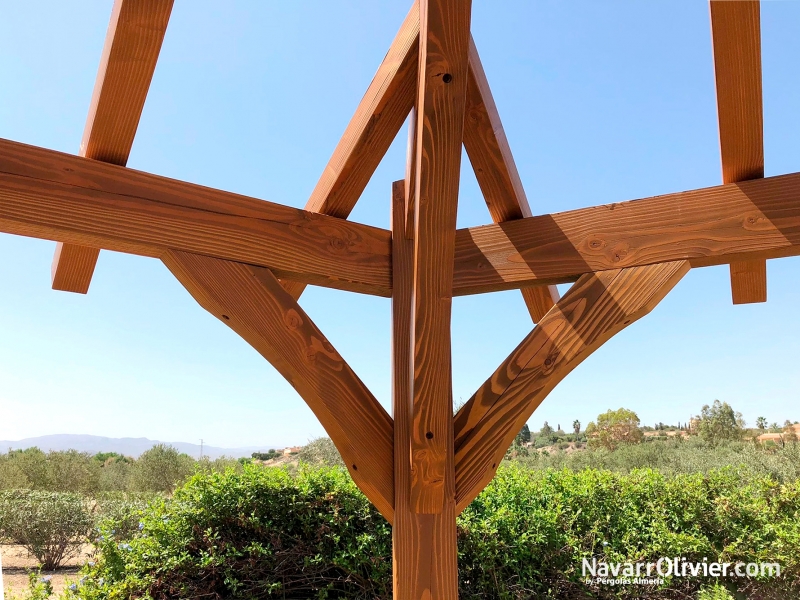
x=50, y=525
x=677, y=456
x=263, y=533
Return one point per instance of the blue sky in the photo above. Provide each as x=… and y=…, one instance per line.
x=601, y=101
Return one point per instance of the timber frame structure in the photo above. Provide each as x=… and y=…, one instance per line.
x=246, y=261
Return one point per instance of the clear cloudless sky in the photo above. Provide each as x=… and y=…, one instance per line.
x=601, y=101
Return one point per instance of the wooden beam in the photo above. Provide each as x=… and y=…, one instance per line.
x=252, y=302
x=441, y=98
x=371, y=131
x=132, y=45
x=736, y=34
x=596, y=308
x=57, y=196
x=417, y=539
x=751, y=220
x=490, y=154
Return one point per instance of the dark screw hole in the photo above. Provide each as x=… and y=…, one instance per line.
x=429, y=435
x=355, y=468
x=226, y=317
x=494, y=465
x=447, y=78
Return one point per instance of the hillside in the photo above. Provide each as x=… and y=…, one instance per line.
x=127, y=446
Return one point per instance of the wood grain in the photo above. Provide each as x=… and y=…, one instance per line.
x=749, y=281
x=129, y=58
x=252, y=302
x=490, y=154
x=416, y=538
x=596, y=308
x=379, y=116
x=754, y=219
x=57, y=196
x=736, y=35
x=441, y=98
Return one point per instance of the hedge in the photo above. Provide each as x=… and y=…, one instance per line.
x=265, y=533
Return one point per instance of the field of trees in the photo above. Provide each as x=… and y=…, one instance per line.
x=168, y=526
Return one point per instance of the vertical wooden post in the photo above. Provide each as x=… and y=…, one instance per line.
x=423, y=545
x=441, y=100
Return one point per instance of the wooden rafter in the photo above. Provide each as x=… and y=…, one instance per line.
x=441, y=97
x=252, y=302
x=132, y=45
x=736, y=34
x=596, y=308
x=57, y=196
x=750, y=220
x=378, y=118
x=488, y=150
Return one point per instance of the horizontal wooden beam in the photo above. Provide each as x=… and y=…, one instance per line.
x=751, y=220
x=50, y=195
x=252, y=302
x=597, y=307
x=132, y=45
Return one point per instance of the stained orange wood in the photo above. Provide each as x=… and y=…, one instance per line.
x=749, y=281
x=750, y=220
x=378, y=118
x=596, y=308
x=441, y=97
x=736, y=33
x=132, y=45
x=72, y=267
x=57, y=196
x=416, y=538
x=252, y=302
x=490, y=154
x=411, y=178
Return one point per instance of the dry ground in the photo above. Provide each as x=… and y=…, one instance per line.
x=17, y=564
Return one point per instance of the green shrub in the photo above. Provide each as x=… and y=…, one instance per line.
x=321, y=452
x=39, y=588
x=680, y=457
x=122, y=512
x=12, y=477
x=256, y=534
x=264, y=533
x=714, y=592
x=62, y=471
x=116, y=475
x=50, y=525
x=160, y=469
x=269, y=455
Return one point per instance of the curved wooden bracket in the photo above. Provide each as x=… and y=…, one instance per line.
x=252, y=302
x=597, y=307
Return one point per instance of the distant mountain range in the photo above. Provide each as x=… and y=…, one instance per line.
x=127, y=446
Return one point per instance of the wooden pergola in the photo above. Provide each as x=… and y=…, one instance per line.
x=247, y=261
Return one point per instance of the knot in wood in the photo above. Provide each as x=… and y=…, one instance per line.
x=292, y=319
x=596, y=244
x=337, y=243
x=550, y=361
x=619, y=253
